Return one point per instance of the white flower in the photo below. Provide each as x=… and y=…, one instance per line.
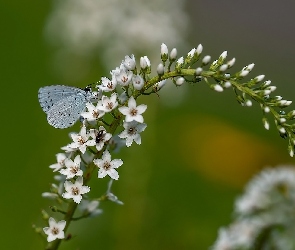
x=239, y=235
x=129, y=62
x=107, y=85
x=123, y=76
x=180, y=81
x=108, y=166
x=132, y=132
x=110, y=196
x=81, y=140
x=75, y=190
x=90, y=207
x=159, y=85
x=180, y=61
x=133, y=112
x=55, y=229
x=60, y=162
x=223, y=55
x=191, y=53
x=206, y=60
x=273, y=186
x=138, y=82
x=144, y=62
x=73, y=168
x=199, y=49
x=108, y=104
x=199, y=70
x=93, y=112
x=217, y=88
x=100, y=136
x=164, y=49
x=173, y=54
x=160, y=69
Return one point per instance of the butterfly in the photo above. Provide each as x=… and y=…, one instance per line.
x=64, y=104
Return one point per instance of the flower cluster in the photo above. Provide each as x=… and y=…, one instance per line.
x=265, y=213
x=114, y=119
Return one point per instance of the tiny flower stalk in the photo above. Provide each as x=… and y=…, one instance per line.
x=113, y=118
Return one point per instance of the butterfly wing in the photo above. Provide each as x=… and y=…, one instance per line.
x=66, y=111
x=48, y=96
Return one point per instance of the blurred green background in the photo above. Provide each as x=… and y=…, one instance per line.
x=180, y=184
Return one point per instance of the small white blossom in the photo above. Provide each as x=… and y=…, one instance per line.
x=282, y=130
x=108, y=166
x=191, y=53
x=206, y=60
x=199, y=49
x=93, y=112
x=259, y=78
x=231, y=62
x=180, y=61
x=223, y=55
x=227, y=84
x=129, y=62
x=144, y=62
x=179, y=81
x=81, y=140
x=272, y=88
x=133, y=112
x=282, y=120
x=147, y=61
x=90, y=207
x=266, y=109
x=164, y=49
x=248, y=103
x=160, y=85
x=249, y=67
x=217, y=88
x=291, y=152
x=55, y=229
x=266, y=92
x=198, y=71
x=266, y=83
x=244, y=73
x=75, y=190
x=132, y=132
x=68, y=149
x=100, y=136
x=223, y=67
x=124, y=76
x=108, y=104
x=107, y=85
x=60, y=162
x=266, y=125
x=160, y=69
x=138, y=82
x=73, y=168
x=173, y=54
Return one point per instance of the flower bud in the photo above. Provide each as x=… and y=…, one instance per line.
x=180, y=81
x=173, y=54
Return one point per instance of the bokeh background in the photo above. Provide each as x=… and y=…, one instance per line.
x=200, y=146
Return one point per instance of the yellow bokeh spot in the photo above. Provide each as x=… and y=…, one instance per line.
x=223, y=152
